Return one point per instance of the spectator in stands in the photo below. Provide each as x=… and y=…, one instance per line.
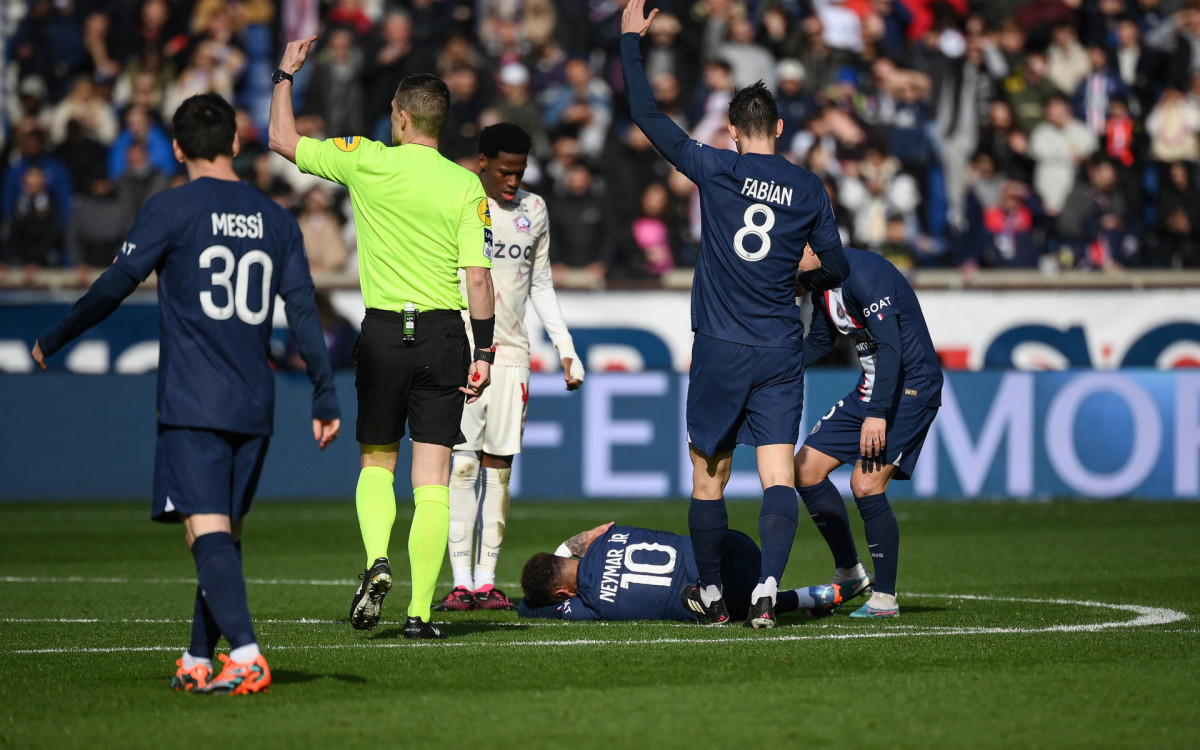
x=83, y=156
x=1092, y=97
x=84, y=106
x=335, y=90
x=322, y=232
x=820, y=60
x=878, y=189
x=467, y=103
x=214, y=68
x=98, y=227
x=1178, y=41
x=515, y=104
x=650, y=232
x=33, y=230
x=1098, y=225
x=140, y=128
x=1173, y=127
x=47, y=44
x=1178, y=220
x=582, y=251
x=897, y=245
x=390, y=58
x=1006, y=144
x=795, y=103
x=584, y=102
x=1066, y=60
x=99, y=62
x=140, y=179
x=1058, y=147
x=668, y=51
x=749, y=60
x=1134, y=65
x=1008, y=232
x=53, y=178
x=1028, y=90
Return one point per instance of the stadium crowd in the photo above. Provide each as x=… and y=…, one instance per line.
x=1043, y=134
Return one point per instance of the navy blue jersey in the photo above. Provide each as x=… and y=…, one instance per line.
x=861, y=308
x=222, y=251
x=758, y=213
x=632, y=573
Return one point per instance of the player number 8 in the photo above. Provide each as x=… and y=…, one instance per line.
x=756, y=229
x=236, y=293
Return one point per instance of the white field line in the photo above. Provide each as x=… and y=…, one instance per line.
x=348, y=582
x=1146, y=617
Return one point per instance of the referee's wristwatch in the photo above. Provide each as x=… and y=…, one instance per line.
x=279, y=76
x=485, y=355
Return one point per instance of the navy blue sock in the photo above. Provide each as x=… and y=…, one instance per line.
x=828, y=512
x=787, y=601
x=883, y=539
x=707, y=523
x=205, y=631
x=219, y=570
x=777, y=529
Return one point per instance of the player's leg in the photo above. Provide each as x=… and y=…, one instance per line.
x=429, y=533
x=464, y=512
x=509, y=397
x=718, y=385
x=869, y=484
x=833, y=441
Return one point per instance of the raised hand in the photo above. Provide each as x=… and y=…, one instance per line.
x=634, y=19
x=295, y=54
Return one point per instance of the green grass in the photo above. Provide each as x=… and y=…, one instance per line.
x=500, y=682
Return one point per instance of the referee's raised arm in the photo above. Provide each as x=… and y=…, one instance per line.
x=281, y=131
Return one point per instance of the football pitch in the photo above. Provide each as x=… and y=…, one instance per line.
x=1023, y=625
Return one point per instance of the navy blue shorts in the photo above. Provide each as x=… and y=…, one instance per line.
x=205, y=471
x=837, y=433
x=751, y=395
x=741, y=563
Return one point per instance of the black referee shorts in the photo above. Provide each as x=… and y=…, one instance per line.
x=415, y=382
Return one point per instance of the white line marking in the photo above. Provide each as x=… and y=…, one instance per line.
x=1146, y=617
x=349, y=582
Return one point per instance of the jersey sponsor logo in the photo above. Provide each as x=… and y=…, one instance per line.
x=522, y=223
x=485, y=214
x=238, y=225
x=128, y=248
x=348, y=143
x=875, y=307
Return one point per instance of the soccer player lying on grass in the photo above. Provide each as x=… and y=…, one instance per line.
x=879, y=427
x=222, y=251
x=629, y=573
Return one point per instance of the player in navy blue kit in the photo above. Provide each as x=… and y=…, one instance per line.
x=879, y=427
x=629, y=573
x=222, y=251
x=747, y=374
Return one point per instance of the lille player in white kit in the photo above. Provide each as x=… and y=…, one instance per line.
x=493, y=425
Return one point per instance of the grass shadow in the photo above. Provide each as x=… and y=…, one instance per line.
x=296, y=677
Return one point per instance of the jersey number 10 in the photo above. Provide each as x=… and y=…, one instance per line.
x=648, y=573
x=236, y=291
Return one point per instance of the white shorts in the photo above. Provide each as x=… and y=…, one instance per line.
x=496, y=422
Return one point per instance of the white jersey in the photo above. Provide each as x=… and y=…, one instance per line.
x=521, y=273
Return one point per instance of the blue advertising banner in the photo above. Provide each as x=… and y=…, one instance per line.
x=1080, y=433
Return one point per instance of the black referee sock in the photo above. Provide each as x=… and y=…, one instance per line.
x=707, y=523
x=205, y=631
x=828, y=512
x=219, y=570
x=777, y=529
x=883, y=539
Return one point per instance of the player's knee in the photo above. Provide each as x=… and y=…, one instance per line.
x=492, y=534
x=865, y=485
x=464, y=470
x=458, y=529
x=808, y=474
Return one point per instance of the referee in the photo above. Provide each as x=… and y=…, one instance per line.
x=419, y=218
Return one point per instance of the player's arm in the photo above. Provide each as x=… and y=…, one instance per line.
x=545, y=612
x=666, y=136
x=826, y=242
x=281, y=130
x=475, y=258
x=578, y=544
x=102, y=298
x=545, y=304
x=885, y=329
x=821, y=335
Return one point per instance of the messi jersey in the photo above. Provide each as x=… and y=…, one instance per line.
x=632, y=573
x=758, y=213
x=223, y=251
x=876, y=290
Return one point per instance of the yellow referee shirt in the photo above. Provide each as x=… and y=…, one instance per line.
x=419, y=217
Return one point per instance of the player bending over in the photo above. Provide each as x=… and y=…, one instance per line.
x=879, y=427
x=630, y=573
x=222, y=251
x=746, y=385
x=492, y=426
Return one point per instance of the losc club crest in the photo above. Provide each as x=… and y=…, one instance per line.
x=522, y=223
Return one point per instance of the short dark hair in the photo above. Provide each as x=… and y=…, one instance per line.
x=753, y=110
x=205, y=125
x=426, y=99
x=506, y=137
x=540, y=578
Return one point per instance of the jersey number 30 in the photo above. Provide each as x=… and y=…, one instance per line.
x=236, y=290
x=752, y=227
